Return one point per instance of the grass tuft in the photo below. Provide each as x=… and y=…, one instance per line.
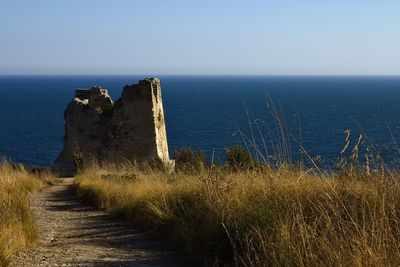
x=16, y=226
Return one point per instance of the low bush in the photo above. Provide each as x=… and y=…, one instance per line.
x=189, y=160
x=239, y=159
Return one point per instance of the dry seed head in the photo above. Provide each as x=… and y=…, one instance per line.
x=354, y=156
x=346, y=141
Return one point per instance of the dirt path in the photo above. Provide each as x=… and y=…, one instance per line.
x=71, y=234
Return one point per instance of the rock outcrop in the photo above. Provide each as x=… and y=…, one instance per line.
x=96, y=129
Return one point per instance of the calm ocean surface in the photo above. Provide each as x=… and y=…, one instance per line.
x=205, y=112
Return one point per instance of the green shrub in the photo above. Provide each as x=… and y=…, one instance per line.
x=187, y=159
x=239, y=159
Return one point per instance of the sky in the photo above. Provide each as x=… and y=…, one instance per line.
x=228, y=37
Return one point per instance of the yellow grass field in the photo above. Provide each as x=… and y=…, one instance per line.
x=270, y=218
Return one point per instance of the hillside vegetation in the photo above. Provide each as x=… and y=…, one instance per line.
x=16, y=227
x=250, y=215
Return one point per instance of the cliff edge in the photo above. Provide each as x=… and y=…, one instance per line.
x=97, y=129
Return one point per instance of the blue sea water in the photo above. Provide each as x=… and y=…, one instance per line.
x=212, y=112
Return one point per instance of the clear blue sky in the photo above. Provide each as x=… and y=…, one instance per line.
x=199, y=37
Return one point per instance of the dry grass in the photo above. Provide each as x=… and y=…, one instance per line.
x=16, y=227
x=270, y=218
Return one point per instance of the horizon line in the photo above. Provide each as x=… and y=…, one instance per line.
x=177, y=74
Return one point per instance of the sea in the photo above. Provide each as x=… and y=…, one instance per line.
x=301, y=118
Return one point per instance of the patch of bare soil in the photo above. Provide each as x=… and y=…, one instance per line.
x=71, y=234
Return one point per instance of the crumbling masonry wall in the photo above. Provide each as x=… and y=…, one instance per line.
x=96, y=129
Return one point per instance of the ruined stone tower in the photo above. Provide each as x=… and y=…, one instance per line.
x=132, y=128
